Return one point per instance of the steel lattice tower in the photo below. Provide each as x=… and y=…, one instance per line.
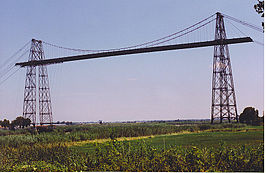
x=30, y=96
x=223, y=92
x=29, y=105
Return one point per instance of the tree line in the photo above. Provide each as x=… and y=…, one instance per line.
x=19, y=122
x=248, y=116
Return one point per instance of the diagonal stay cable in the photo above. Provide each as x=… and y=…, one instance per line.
x=9, y=76
x=258, y=42
x=255, y=41
x=10, y=58
x=8, y=68
x=244, y=23
x=5, y=70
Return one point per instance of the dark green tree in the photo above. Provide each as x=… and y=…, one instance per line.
x=5, y=123
x=27, y=122
x=21, y=122
x=259, y=7
x=18, y=122
x=249, y=116
x=12, y=125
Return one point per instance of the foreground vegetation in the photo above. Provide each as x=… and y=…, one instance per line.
x=166, y=147
x=107, y=131
x=123, y=156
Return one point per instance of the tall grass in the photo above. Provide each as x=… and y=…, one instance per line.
x=126, y=156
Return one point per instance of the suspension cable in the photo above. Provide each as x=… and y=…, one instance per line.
x=184, y=33
x=138, y=45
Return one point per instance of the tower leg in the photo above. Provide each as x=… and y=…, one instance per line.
x=45, y=108
x=29, y=104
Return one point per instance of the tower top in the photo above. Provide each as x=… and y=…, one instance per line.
x=219, y=14
x=34, y=40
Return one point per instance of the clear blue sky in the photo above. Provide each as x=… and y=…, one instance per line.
x=166, y=85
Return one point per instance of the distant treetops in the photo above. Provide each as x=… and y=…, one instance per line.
x=19, y=122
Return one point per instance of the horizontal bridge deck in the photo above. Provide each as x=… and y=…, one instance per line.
x=135, y=51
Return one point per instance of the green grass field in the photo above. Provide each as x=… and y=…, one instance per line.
x=208, y=139
x=203, y=139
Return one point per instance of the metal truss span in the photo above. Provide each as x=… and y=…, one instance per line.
x=136, y=51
